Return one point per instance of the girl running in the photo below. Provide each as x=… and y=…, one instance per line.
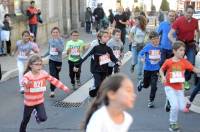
x=23, y=49
x=116, y=94
x=34, y=82
x=56, y=47
x=102, y=56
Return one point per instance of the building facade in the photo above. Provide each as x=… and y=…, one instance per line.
x=66, y=14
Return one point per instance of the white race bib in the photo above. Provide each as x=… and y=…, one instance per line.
x=117, y=53
x=75, y=52
x=36, y=90
x=22, y=55
x=104, y=59
x=53, y=51
x=177, y=77
x=154, y=54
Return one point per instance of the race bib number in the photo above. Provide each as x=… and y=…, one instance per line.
x=117, y=53
x=104, y=59
x=177, y=77
x=23, y=55
x=154, y=54
x=75, y=52
x=38, y=86
x=53, y=51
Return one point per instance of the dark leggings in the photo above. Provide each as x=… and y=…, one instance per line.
x=73, y=74
x=27, y=115
x=195, y=91
x=54, y=69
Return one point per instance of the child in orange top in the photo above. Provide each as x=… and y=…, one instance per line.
x=174, y=80
x=34, y=82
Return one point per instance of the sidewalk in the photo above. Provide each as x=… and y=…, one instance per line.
x=9, y=63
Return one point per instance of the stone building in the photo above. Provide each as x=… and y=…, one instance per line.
x=66, y=14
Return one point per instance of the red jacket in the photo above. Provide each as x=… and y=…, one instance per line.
x=32, y=14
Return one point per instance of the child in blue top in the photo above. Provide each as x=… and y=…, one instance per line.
x=151, y=55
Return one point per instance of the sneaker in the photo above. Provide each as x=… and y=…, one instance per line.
x=174, y=127
x=21, y=91
x=187, y=107
x=167, y=106
x=52, y=94
x=132, y=68
x=78, y=83
x=150, y=104
x=186, y=85
x=140, y=86
x=36, y=116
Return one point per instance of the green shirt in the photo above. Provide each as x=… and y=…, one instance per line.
x=75, y=49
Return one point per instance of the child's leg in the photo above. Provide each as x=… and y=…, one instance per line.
x=154, y=79
x=97, y=83
x=78, y=74
x=26, y=117
x=52, y=70
x=181, y=99
x=146, y=79
x=172, y=97
x=41, y=113
x=71, y=72
x=195, y=91
x=20, y=65
x=8, y=45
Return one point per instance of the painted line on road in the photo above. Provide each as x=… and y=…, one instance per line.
x=81, y=94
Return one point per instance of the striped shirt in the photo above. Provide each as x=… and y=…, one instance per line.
x=35, y=86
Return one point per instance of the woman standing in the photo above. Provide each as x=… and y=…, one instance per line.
x=88, y=19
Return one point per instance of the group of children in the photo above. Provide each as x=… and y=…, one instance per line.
x=114, y=94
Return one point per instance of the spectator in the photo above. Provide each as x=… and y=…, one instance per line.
x=161, y=16
x=127, y=13
x=33, y=18
x=111, y=16
x=99, y=16
x=88, y=19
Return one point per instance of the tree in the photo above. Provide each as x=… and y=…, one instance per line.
x=137, y=9
x=164, y=5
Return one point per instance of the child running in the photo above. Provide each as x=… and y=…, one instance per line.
x=116, y=45
x=151, y=56
x=102, y=56
x=56, y=47
x=75, y=49
x=174, y=82
x=23, y=49
x=107, y=113
x=34, y=82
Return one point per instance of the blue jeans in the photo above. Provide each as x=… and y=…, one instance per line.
x=33, y=29
x=190, y=52
x=137, y=60
x=88, y=27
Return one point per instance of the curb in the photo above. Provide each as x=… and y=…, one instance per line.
x=9, y=74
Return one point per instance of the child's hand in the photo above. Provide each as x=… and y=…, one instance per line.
x=142, y=60
x=163, y=79
x=75, y=69
x=119, y=63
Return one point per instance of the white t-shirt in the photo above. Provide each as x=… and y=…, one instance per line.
x=101, y=122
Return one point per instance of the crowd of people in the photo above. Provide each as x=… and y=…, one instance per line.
x=168, y=53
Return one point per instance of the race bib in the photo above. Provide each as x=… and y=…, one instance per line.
x=22, y=55
x=53, y=51
x=154, y=54
x=75, y=52
x=38, y=86
x=104, y=59
x=117, y=53
x=177, y=77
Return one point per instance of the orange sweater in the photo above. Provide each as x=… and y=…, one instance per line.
x=35, y=86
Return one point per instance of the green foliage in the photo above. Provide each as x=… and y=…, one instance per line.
x=164, y=5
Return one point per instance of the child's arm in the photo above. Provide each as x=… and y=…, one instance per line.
x=57, y=83
x=163, y=78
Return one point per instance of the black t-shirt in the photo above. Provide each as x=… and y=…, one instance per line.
x=121, y=17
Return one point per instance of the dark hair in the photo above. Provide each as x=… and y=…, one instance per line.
x=116, y=30
x=55, y=28
x=112, y=83
x=143, y=22
x=32, y=2
x=31, y=60
x=171, y=11
x=74, y=31
x=6, y=15
x=153, y=34
x=24, y=32
x=177, y=45
x=189, y=6
x=142, y=13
